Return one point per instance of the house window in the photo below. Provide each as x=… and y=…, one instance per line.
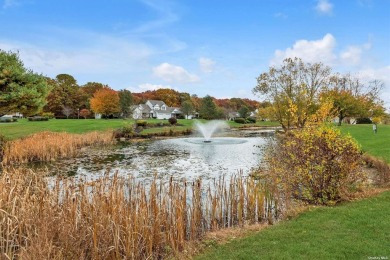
x=163, y=107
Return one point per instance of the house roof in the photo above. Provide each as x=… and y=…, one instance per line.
x=234, y=114
x=174, y=109
x=144, y=108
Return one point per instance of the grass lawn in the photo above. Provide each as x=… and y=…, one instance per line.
x=377, y=145
x=24, y=127
x=356, y=230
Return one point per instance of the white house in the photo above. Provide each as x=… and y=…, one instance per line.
x=155, y=109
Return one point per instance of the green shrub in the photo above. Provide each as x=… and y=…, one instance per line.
x=240, y=120
x=47, y=114
x=6, y=119
x=363, y=120
x=251, y=120
x=317, y=165
x=124, y=132
x=158, y=124
x=172, y=121
x=38, y=118
x=142, y=123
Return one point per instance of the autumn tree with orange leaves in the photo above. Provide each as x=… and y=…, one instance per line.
x=105, y=101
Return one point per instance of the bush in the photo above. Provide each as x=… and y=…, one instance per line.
x=124, y=132
x=6, y=119
x=142, y=123
x=158, y=124
x=363, y=120
x=172, y=121
x=319, y=166
x=48, y=115
x=239, y=120
x=38, y=118
x=251, y=120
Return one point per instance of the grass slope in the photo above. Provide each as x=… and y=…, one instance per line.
x=375, y=144
x=357, y=230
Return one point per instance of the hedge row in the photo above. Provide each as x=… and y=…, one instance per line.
x=38, y=118
x=7, y=119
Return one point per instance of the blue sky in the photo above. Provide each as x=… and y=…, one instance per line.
x=215, y=47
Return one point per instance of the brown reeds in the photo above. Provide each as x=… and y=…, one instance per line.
x=49, y=146
x=382, y=177
x=119, y=218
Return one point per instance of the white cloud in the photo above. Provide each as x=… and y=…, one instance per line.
x=352, y=55
x=382, y=74
x=323, y=50
x=309, y=51
x=324, y=7
x=149, y=86
x=173, y=73
x=206, y=65
x=105, y=54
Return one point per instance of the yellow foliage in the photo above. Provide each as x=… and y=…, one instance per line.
x=376, y=120
x=315, y=164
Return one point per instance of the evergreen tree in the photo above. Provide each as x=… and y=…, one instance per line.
x=208, y=109
x=21, y=90
x=126, y=101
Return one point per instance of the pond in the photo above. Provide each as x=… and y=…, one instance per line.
x=180, y=158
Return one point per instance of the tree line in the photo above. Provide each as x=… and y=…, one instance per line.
x=299, y=91
x=293, y=93
x=29, y=93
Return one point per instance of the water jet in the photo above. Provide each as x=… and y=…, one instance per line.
x=208, y=129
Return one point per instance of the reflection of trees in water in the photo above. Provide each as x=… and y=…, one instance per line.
x=180, y=158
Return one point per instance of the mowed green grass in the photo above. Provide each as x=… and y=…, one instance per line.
x=357, y=230
x=377, y=144
x=24, y=127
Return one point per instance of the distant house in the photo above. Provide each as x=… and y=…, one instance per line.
x=253, y=114
x=346, y=120
x=155, y=109
x=233, y=115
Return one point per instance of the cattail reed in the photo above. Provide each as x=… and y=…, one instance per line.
x=119, y=218
x=49, y=146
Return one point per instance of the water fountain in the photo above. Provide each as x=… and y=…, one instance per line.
x=212, y=153
x=208, y=129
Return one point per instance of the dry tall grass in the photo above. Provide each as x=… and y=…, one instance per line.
x=117, y=218
x=382, y=178
x=49, y=146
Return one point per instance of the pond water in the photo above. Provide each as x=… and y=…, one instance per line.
x=181, y=158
